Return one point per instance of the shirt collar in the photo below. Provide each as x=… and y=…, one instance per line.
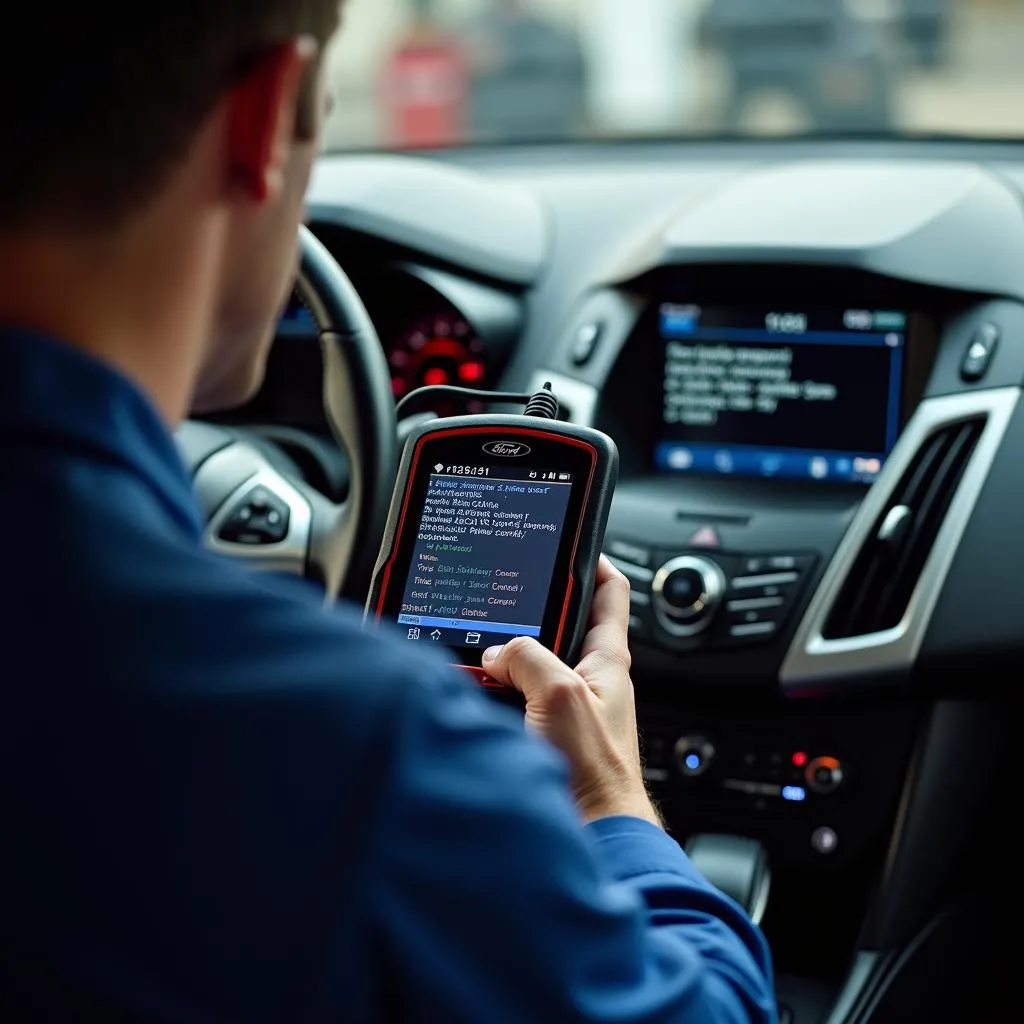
x=52, y=393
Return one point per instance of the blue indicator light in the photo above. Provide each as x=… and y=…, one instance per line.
x=794, y=793
x=692, y=762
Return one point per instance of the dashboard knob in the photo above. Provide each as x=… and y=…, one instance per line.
x=687, y=592
x=694, y=755
x=824, y=775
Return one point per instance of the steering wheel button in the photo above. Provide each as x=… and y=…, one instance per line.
x=259, y=520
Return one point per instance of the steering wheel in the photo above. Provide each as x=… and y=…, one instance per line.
x=258, y=506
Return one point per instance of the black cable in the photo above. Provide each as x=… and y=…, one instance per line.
x=423, y=395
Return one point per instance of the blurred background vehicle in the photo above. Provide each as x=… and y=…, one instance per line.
x=527, y=75
x=926, y=28
x=831, y=62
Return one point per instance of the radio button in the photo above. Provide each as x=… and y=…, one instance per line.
x=980, y=353
x=588, y=337
x=753, y=630
x=756, y=604
x=694, y=755
x=753, y=620
x=627, y=552
x=637, y=627
x=637, y=575
x=768, y=579
x=760, y=565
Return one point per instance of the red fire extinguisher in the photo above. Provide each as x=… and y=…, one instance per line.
x=426, y=87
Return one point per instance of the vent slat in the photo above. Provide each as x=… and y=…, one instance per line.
x=881, y=585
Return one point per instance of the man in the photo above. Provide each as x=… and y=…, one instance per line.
x=221, y=802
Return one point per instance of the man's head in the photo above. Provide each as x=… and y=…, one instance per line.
x=117, y=116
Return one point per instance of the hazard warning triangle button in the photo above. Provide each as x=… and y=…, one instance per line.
x=706, y=537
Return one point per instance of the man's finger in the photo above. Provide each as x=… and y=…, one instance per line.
x=533, y=670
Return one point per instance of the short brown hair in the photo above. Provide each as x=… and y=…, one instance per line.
x=99, y=99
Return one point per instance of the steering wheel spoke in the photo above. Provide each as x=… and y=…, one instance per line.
x=265, y=520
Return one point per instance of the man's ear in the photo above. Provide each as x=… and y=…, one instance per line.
x=262, y=118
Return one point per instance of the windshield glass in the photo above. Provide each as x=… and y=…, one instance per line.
x=428, y=73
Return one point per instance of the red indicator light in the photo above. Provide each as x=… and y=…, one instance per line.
x=799, y=759
x=434, y=377
x=472, y=373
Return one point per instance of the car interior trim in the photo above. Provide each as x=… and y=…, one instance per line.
x=858, y=983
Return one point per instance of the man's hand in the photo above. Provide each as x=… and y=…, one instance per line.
x=589, y=713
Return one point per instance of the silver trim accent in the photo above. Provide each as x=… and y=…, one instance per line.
x=634, y=573
x=753, y=629
x=639, y=598
x=290, y=555
x=776, y=579
x=576, y=397
x=755, y=604
x=715, y=585
x=812, y=658
x=759, y=901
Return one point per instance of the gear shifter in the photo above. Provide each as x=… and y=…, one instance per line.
x=737, y=866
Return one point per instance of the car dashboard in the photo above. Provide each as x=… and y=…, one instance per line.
x=810, y=357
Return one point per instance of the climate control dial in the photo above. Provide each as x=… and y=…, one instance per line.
x=687, y=592
x=824, y=775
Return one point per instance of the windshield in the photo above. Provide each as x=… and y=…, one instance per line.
x=428, y=73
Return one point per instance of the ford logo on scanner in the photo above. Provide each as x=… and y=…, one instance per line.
x=507, y=449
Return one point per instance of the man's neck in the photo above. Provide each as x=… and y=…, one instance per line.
x=142, y=300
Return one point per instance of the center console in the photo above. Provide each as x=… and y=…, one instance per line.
x=799, y=447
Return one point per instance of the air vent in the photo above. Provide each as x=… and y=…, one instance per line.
x=878, y=590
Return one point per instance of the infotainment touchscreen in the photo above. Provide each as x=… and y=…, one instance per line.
x=811, y=394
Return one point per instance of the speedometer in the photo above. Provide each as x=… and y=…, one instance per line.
x=441, y=348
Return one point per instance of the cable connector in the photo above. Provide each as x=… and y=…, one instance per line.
x=543, y=405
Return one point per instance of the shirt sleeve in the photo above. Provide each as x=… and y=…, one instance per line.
x=490, y=901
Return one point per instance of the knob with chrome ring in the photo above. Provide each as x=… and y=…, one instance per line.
x=687, y=592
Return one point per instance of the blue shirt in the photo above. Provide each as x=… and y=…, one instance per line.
x=222, y=802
